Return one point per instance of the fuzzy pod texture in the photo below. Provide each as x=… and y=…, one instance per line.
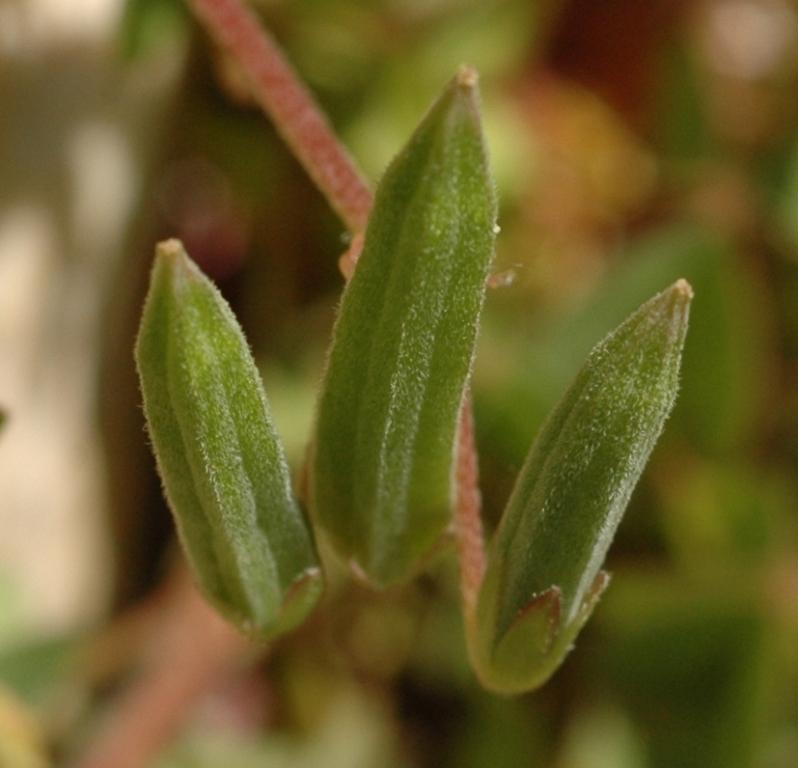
x=218, y=454
x=384, y=449
x=543, y=576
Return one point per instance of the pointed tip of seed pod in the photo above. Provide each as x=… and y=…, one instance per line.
x=683, y=289
x=463, y=93
x=672, y=307
x=171, y=247
x=467, y=77
x=678, y=299
x=172, y=254
x=172, y=258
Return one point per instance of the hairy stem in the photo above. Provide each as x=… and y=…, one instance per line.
x=291, y=107
x=194, y=649
x=468, y=519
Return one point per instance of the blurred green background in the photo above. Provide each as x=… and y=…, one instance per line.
x=633, y=143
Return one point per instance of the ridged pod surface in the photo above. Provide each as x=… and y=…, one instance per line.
x=218, y=454
x=382, y=463
x=543, y=575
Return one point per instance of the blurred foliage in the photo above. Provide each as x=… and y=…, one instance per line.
x=633, y=143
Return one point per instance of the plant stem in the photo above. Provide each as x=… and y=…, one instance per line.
x=291, y=107
x=468, y=518
x=190, y=655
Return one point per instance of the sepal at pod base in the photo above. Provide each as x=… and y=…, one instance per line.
x=543, y=574
x=381, y=482
x=219, y=456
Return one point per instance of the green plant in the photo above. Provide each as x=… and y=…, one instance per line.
x=392, y=468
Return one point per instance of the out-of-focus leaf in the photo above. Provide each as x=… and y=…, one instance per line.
x=153, y=24
x=690, y=668
x=501, y=733
x=603, y=738
x=682, y=124
x=381, y=482
x=788, y=208
x=355, y=733
x=726, y=364
x=494, y=36
x=543, y=576
x=292, y=395
x=14, y=611
x=219, y=456
x=724, y=516
x=32, y=670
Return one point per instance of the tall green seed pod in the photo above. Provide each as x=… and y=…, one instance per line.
x=543, y=575
x=218, y=454
x=382, y=461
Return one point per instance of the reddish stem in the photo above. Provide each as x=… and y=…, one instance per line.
x=468, y=518
x=194, y=649
x=290, y=105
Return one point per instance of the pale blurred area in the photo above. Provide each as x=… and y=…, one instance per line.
x=69, y=159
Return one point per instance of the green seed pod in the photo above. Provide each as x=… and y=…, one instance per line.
x=382, y=463
x=543, y=575
x=220, y=459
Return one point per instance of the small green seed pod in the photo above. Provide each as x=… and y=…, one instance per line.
x=382, y=462
x=218, y=454
x=543, y=575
